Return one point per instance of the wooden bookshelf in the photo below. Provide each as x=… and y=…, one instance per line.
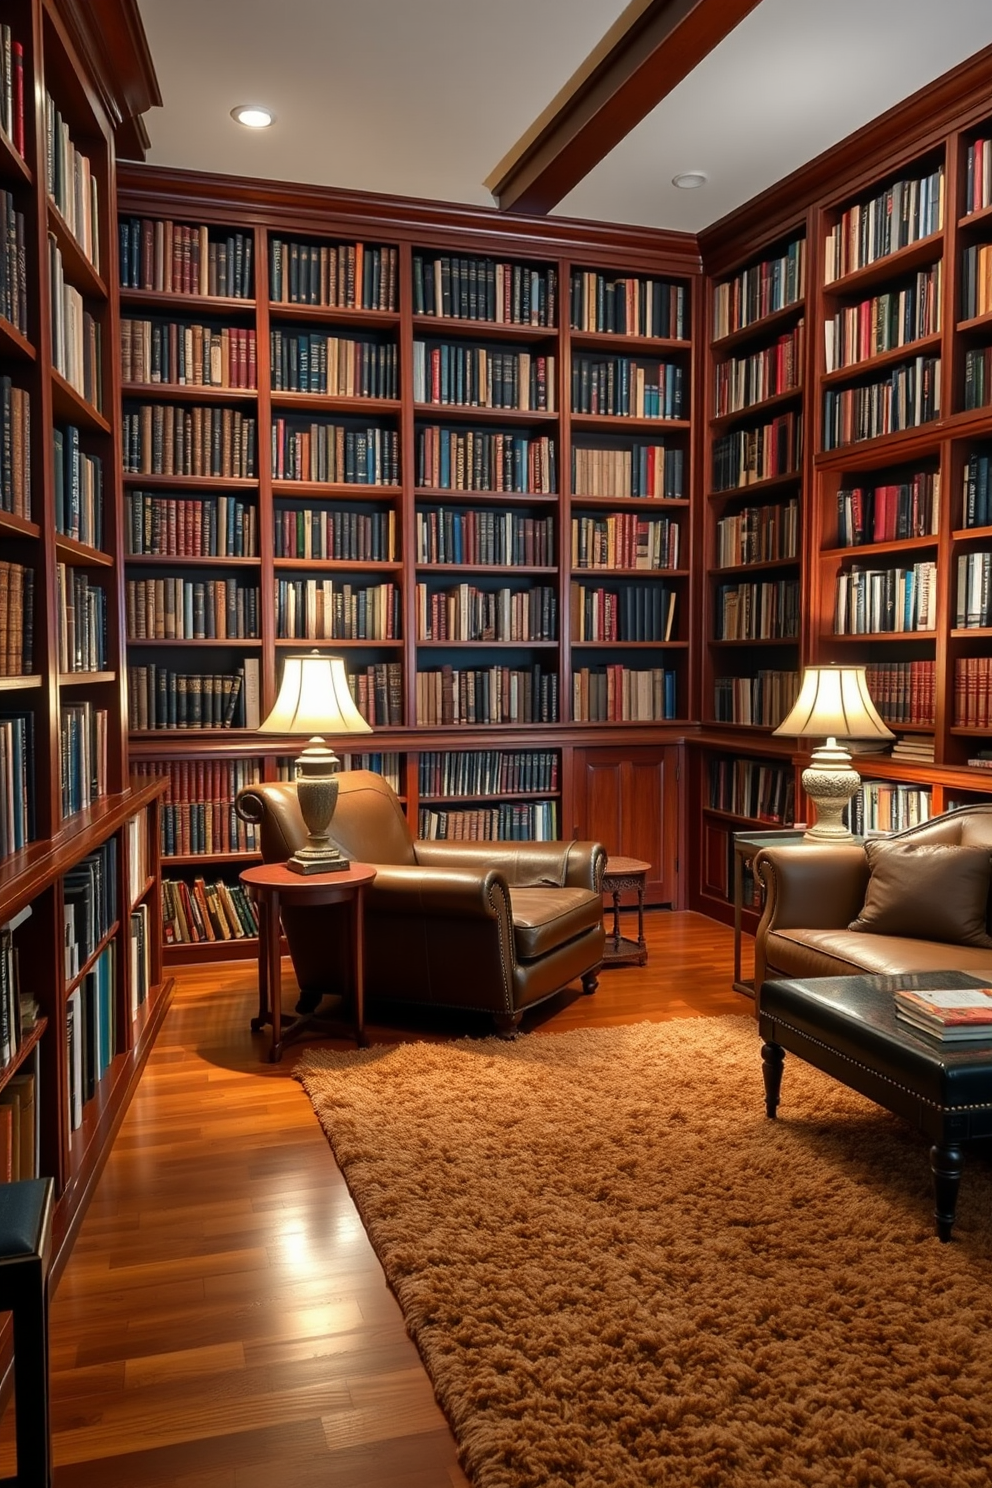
x=64, y=721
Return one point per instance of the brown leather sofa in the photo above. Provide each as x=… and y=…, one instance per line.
x=488, y=927
x=814, y=892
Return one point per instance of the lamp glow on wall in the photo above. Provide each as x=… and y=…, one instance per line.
x=315, y=699
x=833, y=701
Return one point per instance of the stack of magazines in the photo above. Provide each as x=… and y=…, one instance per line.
x=953, y=1015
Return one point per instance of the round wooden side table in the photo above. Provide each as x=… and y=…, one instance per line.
x=622, y=874
x=272, y=884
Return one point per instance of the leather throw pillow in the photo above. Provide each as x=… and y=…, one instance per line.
x=927, y=891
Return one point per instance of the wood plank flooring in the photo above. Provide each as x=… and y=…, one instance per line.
x=223, y=1321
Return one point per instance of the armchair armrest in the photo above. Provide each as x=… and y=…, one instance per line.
x=811, y=886
x=573, y=865
x=443, y=889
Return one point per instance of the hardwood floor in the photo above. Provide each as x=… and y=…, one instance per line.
x=222, y=1321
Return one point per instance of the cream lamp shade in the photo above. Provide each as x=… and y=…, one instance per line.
x=833, y=701
x=315, y=699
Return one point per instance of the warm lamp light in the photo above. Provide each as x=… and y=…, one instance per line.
x=833, y=700
x=315, y=699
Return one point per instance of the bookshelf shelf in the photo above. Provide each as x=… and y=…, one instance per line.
x=883, y=359
x=336, y=403
x=80, y=271
x=189, y=392
x=73, y=407
x=765, y=328
x=436, y=327
x=890, y=266
x=755, y=411
x=616, y=341
x=13, y=343
x=14, y=169
x=20, y=684
x=186, y=305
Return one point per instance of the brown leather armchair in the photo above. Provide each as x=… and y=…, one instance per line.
x=814, y=891
x=484, y=926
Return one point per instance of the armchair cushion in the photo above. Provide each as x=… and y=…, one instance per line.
x=927, y=891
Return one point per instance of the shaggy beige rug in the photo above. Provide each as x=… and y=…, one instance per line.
x=619, y=1272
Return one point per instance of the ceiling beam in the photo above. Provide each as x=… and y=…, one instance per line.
x=652, y=47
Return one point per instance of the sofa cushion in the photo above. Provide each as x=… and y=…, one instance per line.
x=819, y=953
x=544, y=919
x=928, y=891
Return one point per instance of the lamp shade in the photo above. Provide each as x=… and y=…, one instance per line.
x=314, y=698
x=834, y=702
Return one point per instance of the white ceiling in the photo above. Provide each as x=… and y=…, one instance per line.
x=424, y=97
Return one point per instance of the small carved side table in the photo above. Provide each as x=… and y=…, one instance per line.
x=622, y=874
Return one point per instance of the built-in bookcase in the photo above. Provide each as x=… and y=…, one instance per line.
x=80, y=914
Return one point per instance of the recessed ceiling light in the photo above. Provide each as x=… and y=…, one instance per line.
x=252, y=117
x=689, y=180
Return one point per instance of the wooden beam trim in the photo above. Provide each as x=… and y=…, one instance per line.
x=662, y=46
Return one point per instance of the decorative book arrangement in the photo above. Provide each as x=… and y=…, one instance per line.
x=887, y=513
x=955, y=1015
x=481, y=460
x=747, y=455
x=348, y=276
x=653, y=471
x=628, y=306
x=176, y=258
x=472, y=288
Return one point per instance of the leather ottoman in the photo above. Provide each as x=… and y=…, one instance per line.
x=847, y=1027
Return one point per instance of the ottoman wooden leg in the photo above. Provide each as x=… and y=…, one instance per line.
x=772, y=1060
x=946, y=1164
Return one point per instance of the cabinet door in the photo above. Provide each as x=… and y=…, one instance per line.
x=627, y=799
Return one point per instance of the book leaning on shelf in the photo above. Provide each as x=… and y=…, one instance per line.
x=953, y=1015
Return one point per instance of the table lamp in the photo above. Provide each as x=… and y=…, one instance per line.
x=315, y=699
x=833, y=700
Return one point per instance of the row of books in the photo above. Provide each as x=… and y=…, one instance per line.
x=903, y=691
x=973, y=692
x=976, y=281
x=973, y=598
x=78, y=489
x=481, y=460
x=17, y=1015
x=335, y=453
x=327, y=532
x=978, y=175
x=954, y=1015
x=476, y=377
x=621, y=694
x=473, y=288
x=198, y=815
x=351, y=276
x=467, y=613
x=190, y=526
x=758, y=612
x=762, y=700
x=758, y=534
x=744, y=456
x=81, y=609
x=160, y=698
x=625, y=540
x=91, y=1032
x=516, y=821
x=16, y=619
x=171, y=439
x=76, y=354
x=199, y=912
x=871, y=601
x=83, y=735
x=653, y=471
x=628, y=305
x=180, y=258
x=138, y=855
x=746, y=380
x=17, y=818
x=178, y=609
x=637, y=612
x=908, y=396
x=918, y=748
x=71, y=184
x=384, y=762
x=326, y=609
x=140, y=953
x=620, y=387
x=378, y=692
x=15, y=448
x=486, y=772
x=336, y=366
x=762, y=289
x=901, y=214
x=13, y=264
x=89, y=905
x=977, y=483
x=752, y=789
x=187, y=355
x=887, y=806
x=887, y=513
x=486, y=695
x=978, y=377
x=486, y=538
x=897, y=317
x=12, y=88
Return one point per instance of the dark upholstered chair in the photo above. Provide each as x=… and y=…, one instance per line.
x=485, y=926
